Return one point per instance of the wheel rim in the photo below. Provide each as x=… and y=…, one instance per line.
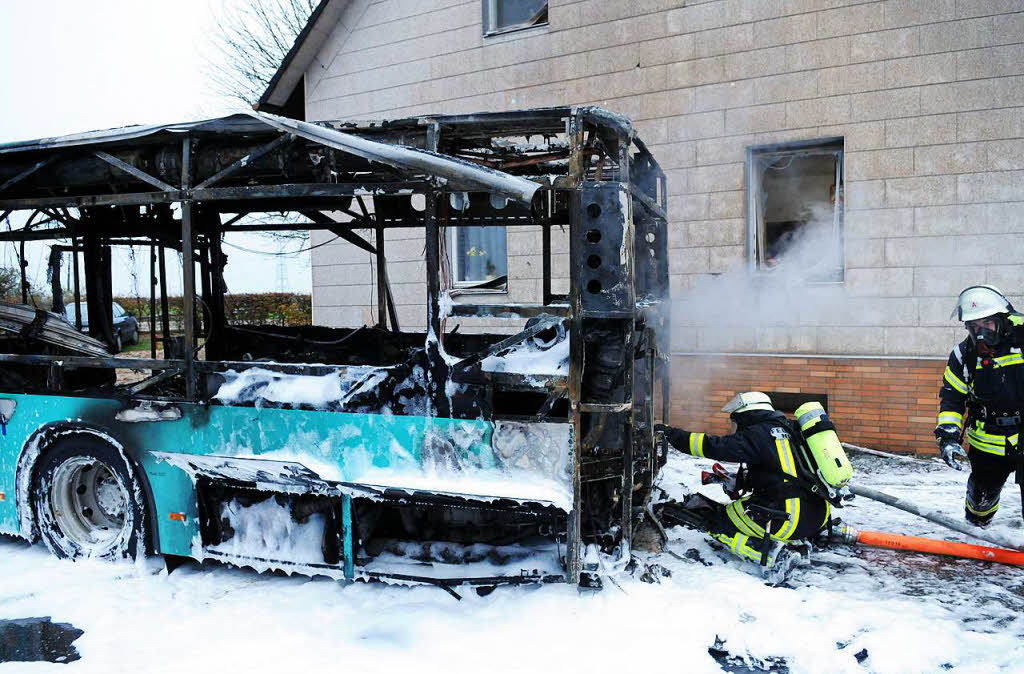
x=90, y=503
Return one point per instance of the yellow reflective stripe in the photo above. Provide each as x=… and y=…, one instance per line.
x=954, y=418
x=981, y=513
x=979, y=430
x=1011, y=359
x=738, y=517
x=793, y=510
x=738, y=546
x=828, y=515
x=985, y=439
x=697, y=444
x=785, y=456
x=747, y=551
x=980, y=443
x=954, y=381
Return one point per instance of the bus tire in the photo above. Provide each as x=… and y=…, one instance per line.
x=87, y=502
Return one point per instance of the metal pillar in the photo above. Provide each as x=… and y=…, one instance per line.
x=573, y=561
x=78, y=290
x=188, y=271
x=152, y=301
x=382, y=281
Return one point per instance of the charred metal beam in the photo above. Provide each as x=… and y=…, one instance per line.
x=56, y=255
x=353, y=238
x=152, y=300
x=556, y=394
x=545, y=253
x=649, y=203
x=577, y=167
x=307, y=190
x=133, y=171
x=289, y=191
x=188, y=271
x=508, y=342
x=247, y=159
x=27, y=172
x=78, y=290
x=91, y=361
x=382, y=279
x=152, y=381
x=462, y=173
x=165, y=319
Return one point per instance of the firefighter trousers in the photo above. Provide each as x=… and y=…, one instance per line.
x=743, y=525
x=988, y=475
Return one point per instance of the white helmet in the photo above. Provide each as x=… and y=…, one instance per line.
x=980, y=302
x=745, y=402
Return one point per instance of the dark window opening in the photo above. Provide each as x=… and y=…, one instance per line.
x=795, y=214
x=789, y=402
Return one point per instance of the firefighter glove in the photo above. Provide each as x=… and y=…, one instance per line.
x=952, y=453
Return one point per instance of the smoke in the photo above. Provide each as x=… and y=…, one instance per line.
x=787, y=291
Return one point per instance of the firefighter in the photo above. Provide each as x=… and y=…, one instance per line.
x=769, y=498
x=983, y=393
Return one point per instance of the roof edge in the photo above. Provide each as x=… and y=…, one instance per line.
x=291, y=60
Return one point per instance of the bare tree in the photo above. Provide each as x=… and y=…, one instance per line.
x=249, y=40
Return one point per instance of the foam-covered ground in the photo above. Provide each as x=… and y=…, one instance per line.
x=905, y=612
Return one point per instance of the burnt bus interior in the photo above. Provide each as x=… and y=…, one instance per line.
x=183, y=187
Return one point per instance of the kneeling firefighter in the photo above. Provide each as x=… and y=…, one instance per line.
x=790, y=473
x=983, y=393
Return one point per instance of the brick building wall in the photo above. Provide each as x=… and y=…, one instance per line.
x=880, y=403
x=927, y=95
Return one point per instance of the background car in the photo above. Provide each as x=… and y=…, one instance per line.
x=126, y=327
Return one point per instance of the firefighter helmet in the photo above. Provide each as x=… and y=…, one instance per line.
x=745, y=402
x=980, y=302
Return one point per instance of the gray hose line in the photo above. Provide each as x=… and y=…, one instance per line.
x=932, y=516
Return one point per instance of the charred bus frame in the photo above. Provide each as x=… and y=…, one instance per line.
x=589, y=172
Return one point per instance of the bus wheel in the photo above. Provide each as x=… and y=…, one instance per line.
x=86, y=500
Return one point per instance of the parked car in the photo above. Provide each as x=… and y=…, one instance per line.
x=126, y=327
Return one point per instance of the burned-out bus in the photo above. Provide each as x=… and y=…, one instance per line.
x=440, y=455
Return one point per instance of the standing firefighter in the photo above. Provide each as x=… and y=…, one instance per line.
x=984, y=378
x=787, y=477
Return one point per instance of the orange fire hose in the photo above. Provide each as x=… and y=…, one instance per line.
x=880, y=539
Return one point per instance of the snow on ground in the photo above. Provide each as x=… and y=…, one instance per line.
x=910, y=613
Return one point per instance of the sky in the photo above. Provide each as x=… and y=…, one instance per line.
x=79, y=65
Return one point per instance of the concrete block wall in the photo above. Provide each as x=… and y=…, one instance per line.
x=927, y=94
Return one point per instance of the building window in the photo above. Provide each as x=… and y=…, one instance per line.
x=503, y=16
x=795, y=209
x=479, y=258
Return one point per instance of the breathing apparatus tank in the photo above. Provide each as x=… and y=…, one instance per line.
x=821, y=453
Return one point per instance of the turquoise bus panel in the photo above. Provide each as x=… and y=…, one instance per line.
x=530, y=461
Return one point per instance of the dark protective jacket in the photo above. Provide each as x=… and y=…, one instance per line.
x=763, y=443
x=985, y=394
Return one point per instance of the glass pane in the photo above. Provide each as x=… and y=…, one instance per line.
x=482, y=253
x=516, y=13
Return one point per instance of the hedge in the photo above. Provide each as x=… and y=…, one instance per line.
x=241, y=309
